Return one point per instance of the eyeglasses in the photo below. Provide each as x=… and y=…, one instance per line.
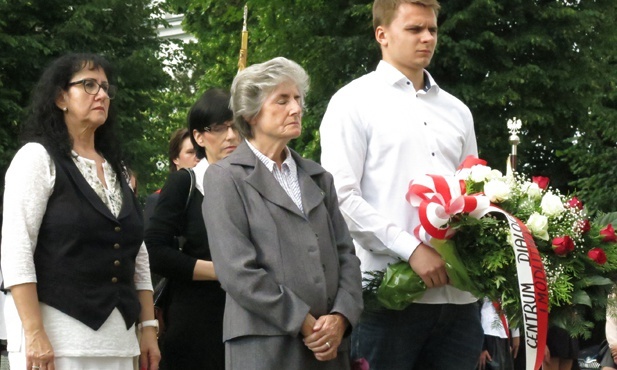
x=220, y=128
x=92, y=87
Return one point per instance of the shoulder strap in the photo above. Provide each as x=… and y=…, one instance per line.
x=191, y=188
x=181, y=239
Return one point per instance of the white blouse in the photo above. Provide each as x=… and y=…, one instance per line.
x=29, y=183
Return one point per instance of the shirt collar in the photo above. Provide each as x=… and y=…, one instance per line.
x=393, y=76
x=200, y=170
x=270, y=164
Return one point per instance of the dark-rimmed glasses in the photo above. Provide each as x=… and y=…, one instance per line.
x=92, y=87
x=220, y=128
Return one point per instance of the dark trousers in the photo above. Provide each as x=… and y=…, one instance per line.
x=501, y=356
x=420, y=337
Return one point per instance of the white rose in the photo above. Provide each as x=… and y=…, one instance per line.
x=538, y=225
x=497, y=191
x=463, y=174
x=494, y=174
x=479, y=173
x=551, y=205
x=532, y=190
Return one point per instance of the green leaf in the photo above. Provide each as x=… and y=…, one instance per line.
x=594, y=280
x=581, y=297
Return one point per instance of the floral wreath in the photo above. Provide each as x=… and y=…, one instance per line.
x=578, y=256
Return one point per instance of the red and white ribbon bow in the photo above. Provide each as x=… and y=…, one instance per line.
x=438, y=198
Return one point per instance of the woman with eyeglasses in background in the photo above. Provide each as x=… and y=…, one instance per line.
x=194, y=313
x=72, y=259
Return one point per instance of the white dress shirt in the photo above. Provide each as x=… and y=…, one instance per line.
x=492, y=323
x=29, y=183
x=200, y=172
x=377, y=135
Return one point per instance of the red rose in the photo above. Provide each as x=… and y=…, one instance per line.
x=609, y=234
x=585, y=226
x=574, y=203
x=597, y=255
x=541, y=181
x=563, y=245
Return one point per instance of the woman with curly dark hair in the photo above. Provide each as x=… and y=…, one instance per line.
x=72, y=258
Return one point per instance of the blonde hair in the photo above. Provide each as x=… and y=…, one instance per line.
x=385, y=10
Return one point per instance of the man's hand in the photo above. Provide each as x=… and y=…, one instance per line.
x=429, y=265
x=484, y=358
x=516, y=342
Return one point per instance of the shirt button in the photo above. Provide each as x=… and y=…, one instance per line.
x=117, y=229
x=114, y=279
x=116, y=263
x=425, y=123
x=433, y=154
x=408, y=83
x=116, y=246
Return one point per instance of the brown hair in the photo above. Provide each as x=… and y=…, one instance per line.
x=385, y=10
x=175, y=146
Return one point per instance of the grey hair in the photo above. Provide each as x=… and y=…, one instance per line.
x=252, y=86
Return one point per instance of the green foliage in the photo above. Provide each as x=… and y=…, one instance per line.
x=550, y=63
x=535, y=60
x=33, y=33
x=332, y=40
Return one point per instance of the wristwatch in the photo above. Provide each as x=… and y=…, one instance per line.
x=153, y=323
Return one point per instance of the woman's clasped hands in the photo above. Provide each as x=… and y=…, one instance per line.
x=324, y=335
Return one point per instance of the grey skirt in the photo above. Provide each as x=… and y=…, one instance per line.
x=279, y=352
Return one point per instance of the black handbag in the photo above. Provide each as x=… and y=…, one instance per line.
x=161, y=290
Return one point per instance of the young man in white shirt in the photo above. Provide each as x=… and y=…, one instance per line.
x=380, y=132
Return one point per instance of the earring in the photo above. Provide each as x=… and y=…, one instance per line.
x=65, y=109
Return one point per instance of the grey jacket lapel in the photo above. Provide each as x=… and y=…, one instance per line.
x=312, y=194
x=262, y=180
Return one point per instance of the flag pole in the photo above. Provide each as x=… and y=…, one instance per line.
x=514, y=126
x=244, y=43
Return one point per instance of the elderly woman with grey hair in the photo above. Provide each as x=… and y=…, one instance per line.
x=280, y=246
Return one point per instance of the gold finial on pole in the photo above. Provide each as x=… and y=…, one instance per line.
x=244, y=45
x=514, y=126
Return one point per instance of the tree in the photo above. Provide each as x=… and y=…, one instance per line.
x=532, y=59
x=542, y=61
x=592, y=151
x=32, y=33
x=330, y=39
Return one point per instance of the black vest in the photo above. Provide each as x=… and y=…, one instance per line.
x=85, y=257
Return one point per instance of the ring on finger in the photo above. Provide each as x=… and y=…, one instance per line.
x=34, y=367
x=328, y=344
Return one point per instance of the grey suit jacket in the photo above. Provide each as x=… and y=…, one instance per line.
x=276, y=263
